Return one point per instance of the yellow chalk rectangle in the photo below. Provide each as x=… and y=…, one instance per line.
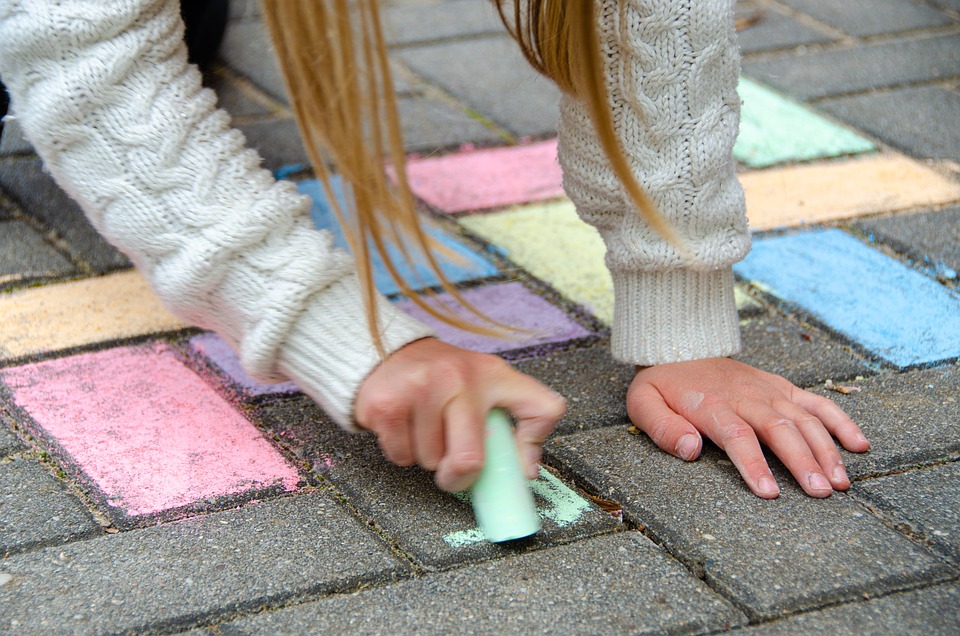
x=79, y=313
x=837, y=190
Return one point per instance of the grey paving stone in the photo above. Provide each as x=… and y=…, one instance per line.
x=594, y=384
x=910, y=418
x=415, y=23
x=24, y=181
x=931, y=239
x=851, y=70
x=429, y=124
x=619, y=584
x=490, y=76
x=773, y=29
x=948, y=4
x=871, y=17
x=12, y=141
x=930, y=611
x=8, y=442
x=36, y=510
x=25, y=255
x=770, y=557
x=277, y=141
x=435, y=528
x=244, y=9
x=803, y=355
x=920, y=121
x=247, y=49
x=233, y=99
x=927, y=501
x=184, y=573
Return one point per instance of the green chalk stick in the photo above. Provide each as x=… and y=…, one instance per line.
x=502, y=500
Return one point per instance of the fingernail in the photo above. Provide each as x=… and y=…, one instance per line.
x=687, y=447
x=817, y=481
x=839, y=474
x=767, y=486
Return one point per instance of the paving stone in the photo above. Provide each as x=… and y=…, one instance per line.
x=931, y=239
x=617, y=584
x=927, y=501
x=773, y=29
x=804, y=355
x=931, y=611
x=8, y=441
x=36, y=510
x=25, y=255
x=244, y=9
x=26, y=183
x=920, y=121
x=948, y=4
x=233, y=98
x=12, y=141
x=873, y=17
x=429, y=124
x=246, y=48
x=894, y=313
x=490, y=76
x=178, y=575
x=411, y=23
x=214, y=349
x=851, y=70
x=910, y=418
x=768, y=556
x=277, y=141
x=435, y=528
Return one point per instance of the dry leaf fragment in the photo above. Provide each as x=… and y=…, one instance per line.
x=748, y=21
x=841, y=388
x=633, y=430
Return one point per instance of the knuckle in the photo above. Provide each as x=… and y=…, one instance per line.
x=736, y=432
x=777, y=425
x=466, y=463
x=658, y=430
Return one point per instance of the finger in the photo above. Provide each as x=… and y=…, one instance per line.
x=834, y=418
x=392, y=424
x=819, y=440
x=738, y=439
x=651, y=414
x=782, y=436
x=428, y=433
x=464, y=422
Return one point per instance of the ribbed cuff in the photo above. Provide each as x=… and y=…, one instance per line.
x=671, y=316
x=329, y=352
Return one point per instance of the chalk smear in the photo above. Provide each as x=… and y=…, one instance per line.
x=692, y=400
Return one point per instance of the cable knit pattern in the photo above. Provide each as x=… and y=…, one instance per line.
x=671, y=72
x=104, y=92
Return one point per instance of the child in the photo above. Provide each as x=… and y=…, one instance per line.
x=104, y=92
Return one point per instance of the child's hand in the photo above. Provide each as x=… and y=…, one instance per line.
x=739, y=407
x=428, y=404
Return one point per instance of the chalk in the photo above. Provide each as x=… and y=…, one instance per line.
x=502, y=500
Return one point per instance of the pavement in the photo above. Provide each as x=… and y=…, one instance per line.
x=148, y=485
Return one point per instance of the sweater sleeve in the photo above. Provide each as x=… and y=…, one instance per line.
x=671, y=75
x=103, y=90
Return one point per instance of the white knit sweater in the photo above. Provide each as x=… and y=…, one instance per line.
x=103, y=91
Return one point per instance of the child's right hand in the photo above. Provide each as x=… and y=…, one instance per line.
x=428, y=404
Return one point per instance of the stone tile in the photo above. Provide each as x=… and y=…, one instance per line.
x=892, y=312
x=948, y=4
x=930, y=239
x=429, y=124
x=930, y=611
x=925, y=503
x=182, y=574
x=773, y=29
x=435, y=528
x=774, y=129
x=594, y=384
x=830, y=191
x=919, y=121
x=828, y=73
x=26, y=183
x=215, y=350
x=768, y=556
x=806, y=356
x=245, y=9
x=80, y=313
x=37, y=510
x=246, y=48
x=612, y=585
x=12, y=141
x=406, y=23
x=8, y=441
x=490, y=76
x=233, y=97
x=910, y=418
x=190, y=449
x=25, y=255
x=277, y=141
x=874, y=17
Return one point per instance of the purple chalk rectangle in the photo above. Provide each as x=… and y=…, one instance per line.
x=511, y=304
x=482, y=179
x=215, y=349
x=148, y=432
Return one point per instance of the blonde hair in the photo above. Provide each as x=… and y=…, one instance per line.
x=334, y=61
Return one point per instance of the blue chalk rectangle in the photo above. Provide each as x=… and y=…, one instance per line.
x=892, y=311
x=469, y=266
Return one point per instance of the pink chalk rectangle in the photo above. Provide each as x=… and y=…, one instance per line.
x=146, y=430
x=510, y=304
x=492, y=178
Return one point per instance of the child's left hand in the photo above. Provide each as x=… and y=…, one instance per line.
x=738, y=408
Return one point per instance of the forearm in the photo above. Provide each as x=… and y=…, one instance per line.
x=105, y=94
x=671, y=74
